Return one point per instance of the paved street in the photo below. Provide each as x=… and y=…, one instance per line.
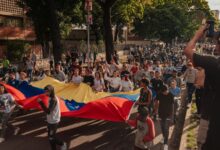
x=80, y=134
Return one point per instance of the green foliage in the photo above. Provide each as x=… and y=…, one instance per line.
x=97, y=26
x=69, y=12
x=16, y=49
x=168, y=19
x=125, y=11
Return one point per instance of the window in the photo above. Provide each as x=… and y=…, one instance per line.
x=11, y=21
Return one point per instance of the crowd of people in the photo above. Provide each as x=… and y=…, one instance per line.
x=160, y=71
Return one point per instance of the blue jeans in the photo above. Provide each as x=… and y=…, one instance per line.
x=190, y=90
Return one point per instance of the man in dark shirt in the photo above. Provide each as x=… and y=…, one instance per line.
x=156, y=82
x=212, y=72
x=125, y=70
x=88, y=78
x=165, y=102
x=12, y=80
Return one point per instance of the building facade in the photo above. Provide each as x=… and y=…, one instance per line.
x=14, y=25
x=216, y=14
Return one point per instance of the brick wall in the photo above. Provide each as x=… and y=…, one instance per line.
x=10, y=6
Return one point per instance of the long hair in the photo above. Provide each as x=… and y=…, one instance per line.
x=51, y=91
x=5, y=91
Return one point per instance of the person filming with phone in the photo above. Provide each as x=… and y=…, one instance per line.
x=211, y=64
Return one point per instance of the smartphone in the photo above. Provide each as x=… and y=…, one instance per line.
x=211, y=30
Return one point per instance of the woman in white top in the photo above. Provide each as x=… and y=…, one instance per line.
x=99, y=84
x=53, y=117
x=76, y=78
x=114, y=82
x=126, y=84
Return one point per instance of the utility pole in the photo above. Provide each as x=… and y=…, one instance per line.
x=88, y=9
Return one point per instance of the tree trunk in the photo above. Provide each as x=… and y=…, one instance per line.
x=55, y=31
x=178, y=128
x=109, y=47
x=45, y=47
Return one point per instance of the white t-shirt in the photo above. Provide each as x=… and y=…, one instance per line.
x=190, y=75
x=60, y=76
x=114, y=82
x=112, y=68
x=54, y=116
x=7, y=103
x=30, y=65
x=142, y=130
x=126, y=86
x=77, y=79
x=98, y=85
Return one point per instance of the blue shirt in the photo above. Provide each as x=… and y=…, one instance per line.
x=14, y=83
x=175, y=92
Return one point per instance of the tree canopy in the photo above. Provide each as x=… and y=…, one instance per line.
x=161, y=19
x=167, y=20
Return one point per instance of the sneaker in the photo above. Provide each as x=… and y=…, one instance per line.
x=2, y=140
x=162, y=141
x=165, y=147
x=16, y=131
x=64, y=146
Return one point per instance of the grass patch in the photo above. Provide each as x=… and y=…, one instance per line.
x=192, y=130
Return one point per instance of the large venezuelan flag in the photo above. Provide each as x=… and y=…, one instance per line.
x=78, y=100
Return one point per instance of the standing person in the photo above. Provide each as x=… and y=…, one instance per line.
x=53, y=117
x=157, y=82
x=88, y=78
x=6, y=64
x=164, y=104
x=126, y=84
x=179, y=66
x=124, y=70
x=190, y=77
x=212, y=72
x=114, y=82
x=76, y=78
x=99, y=84
x=145, y=98
x=168, y=71
x=7, y=105
x=175, y=78
x=158, y=66
x=59, y=74
x=34, y=59
x=12, y=80
x=30, y=68
x=175, y=90
x=145, y=130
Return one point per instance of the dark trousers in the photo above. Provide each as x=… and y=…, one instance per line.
x=30, y=74
x=54, y=141
x=112, y=90
x=198, y=93
x=165, y=125
x=5, y=118
x=190, y=91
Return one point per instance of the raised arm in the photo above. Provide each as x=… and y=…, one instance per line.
x=189, y=50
